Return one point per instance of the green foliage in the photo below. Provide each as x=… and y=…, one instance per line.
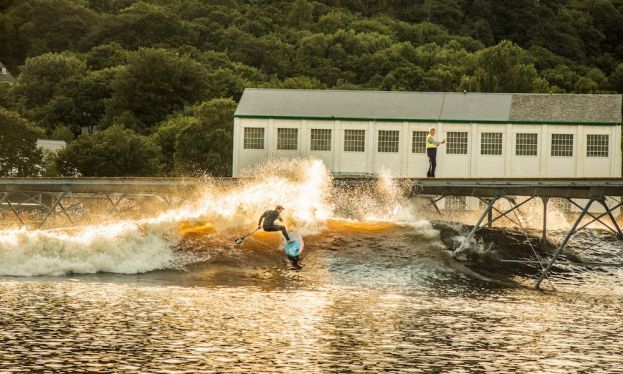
x=166, y=135
x=19, y=155
x=616, y=78
x=114, y=152
x=504, y=68
x=42, y=77
x=6, y=100
x=155, y=83
x=62, y=133
x=106, y=56
x=33, y=27
x=200, y=141
x=146, y=64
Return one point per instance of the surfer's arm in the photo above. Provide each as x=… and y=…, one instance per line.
x=259, y=224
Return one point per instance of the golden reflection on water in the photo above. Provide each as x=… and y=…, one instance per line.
x=115, y=325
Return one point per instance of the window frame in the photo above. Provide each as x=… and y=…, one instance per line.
x=284, y=143
x=318, y=146
x=492, y=144
x=246, y=140
x=452, y=148
x=413, y=141
x=561, y=148
x=525, y=143
x=598, y=153
x=389, y=143
x=352, y=146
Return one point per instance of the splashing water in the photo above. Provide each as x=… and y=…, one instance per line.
x=302, y=186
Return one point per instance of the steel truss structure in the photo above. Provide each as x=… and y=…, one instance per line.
x=49, y=197
x=592, y=191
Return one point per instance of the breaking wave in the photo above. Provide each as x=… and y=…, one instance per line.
x=303, y=186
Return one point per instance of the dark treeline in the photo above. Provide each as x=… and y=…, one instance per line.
x=158, y=80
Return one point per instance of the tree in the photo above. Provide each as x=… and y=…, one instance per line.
x=616, y=79
x=43, y=76
x=199, y=141
x=206, y=146
x=57, y=90
x=6, y=99
x=37, y=27
x=143, y=25
x=504, y=68
x=166, y=135
x=114, y=152
x=154, y=84
x=106, y=56
x=301, y=12
x=19, y=155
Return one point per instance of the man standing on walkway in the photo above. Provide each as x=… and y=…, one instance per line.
x=431, y=151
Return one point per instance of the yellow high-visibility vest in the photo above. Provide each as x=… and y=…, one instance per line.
x=430, y=141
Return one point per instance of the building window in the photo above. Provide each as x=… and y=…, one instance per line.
x=526, y=144
x=354, y=140
x=597, y=145
x=253, y=138
x=491, y=143
x=456, y=143
x=320, y=140
x=388, y=141
x=455, y=202
x=562, y=145
x=287, y=139
x=418, y=142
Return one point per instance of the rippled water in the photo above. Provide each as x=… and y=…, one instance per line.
x=370, y=298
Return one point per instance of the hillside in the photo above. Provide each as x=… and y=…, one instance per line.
x=90, y=64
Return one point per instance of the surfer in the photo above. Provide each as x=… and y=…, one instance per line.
x=269, y=217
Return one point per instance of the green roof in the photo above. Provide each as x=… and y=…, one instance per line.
x=430, y=106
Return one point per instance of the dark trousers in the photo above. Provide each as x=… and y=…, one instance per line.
x=278, y=228
x=432, y=160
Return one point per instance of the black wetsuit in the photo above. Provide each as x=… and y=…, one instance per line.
x=269, y=217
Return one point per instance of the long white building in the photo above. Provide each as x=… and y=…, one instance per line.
x=488, y=135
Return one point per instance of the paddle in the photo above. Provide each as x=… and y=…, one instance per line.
x=242, y=238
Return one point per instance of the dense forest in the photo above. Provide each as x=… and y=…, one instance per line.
x=149, y=87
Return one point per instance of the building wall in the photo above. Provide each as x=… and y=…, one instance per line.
x=405, y=163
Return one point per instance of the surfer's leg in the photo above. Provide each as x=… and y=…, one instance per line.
x=283, y=231
x=295, y=262
x=278, y=228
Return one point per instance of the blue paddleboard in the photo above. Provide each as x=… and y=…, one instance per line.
x=296, y=247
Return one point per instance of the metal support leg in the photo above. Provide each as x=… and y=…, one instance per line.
x=65, y=212
x=15, y=212
x=4, y=197
x=614, y=221
x=476, y=226
x=433, y=202
x=563, y=244
x=505, y=214
x=490, y=218
x=52, y=207
x=598, y=218
x=115, y=204
x=544, y=236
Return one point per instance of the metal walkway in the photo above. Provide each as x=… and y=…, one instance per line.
x=51, y=195
x=58, y=196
